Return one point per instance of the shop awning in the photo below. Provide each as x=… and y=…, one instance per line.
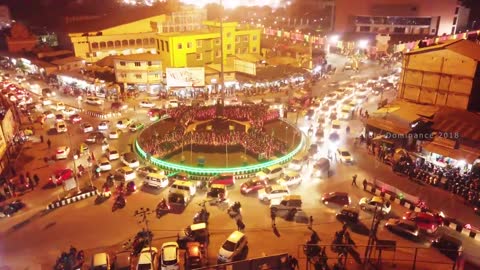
x=388, y=126
x=458, y=154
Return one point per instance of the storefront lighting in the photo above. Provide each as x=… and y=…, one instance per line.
x=461, y=163
x=334, y=39
x=362, y=44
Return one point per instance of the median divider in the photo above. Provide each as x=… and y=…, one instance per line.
x=455, y=225
x=69, y=200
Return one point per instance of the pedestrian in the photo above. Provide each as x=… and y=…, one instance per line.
x=36, y=179
x=41, y=138
x=354, y=180
x=6, y=190
x=31, y=184
x=365, y=183
x=273, y=216
x=240, y=225
x=49, y=143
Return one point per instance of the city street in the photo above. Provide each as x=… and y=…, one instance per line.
x=34, y=239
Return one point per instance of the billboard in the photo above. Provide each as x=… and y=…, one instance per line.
x=185, y=77
x=245, y=67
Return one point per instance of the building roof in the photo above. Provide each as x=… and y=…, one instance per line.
x=188, y=33
x=111, y=20
x=138, y=57
x=388, y=125
x=458, y=122
x=461, y=46
x=66, y=60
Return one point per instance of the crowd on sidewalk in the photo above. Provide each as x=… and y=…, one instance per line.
x=18, y=184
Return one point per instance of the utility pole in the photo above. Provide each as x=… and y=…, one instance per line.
x=222, y=77
x=372, y=237
x=143, y=213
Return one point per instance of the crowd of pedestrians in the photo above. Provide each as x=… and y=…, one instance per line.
x=254, y=139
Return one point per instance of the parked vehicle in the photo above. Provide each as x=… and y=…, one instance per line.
x=232, y=247
x=338, y=198
x=193, y=233
x=375, y=202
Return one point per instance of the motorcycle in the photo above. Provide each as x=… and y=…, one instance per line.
x=131, y=187
x=202, y=215
x=104, y=195
x=110, y=180
x=119, y=203
x=234, y=210
x=162, y=208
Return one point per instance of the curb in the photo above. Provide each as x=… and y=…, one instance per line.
x=458, y=227
x=70, y=200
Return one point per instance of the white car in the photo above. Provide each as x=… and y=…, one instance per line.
x=126, y=173
x=130, y=159
x=86, y=127
x=68, y=112
x=232, y=247
x=170, y=257
x=105, y=165
x=369, y=204
x=272, y=192
x=146, y=104
x=147, y=260
x=60, y=106
x=290, y=178
x=46, y=102
x=61, y=127
x=49, y=114
x=112, y=154
x=123, y=123
x=271, y=173
x=103, y=125
x=114, y=134
x=93, y=101
x=344, y=155
x=62, y=152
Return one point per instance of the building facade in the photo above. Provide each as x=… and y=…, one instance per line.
x=445, y=75
x=142, y=70
x=421, y=17
x=125, y=34
x=200, y=48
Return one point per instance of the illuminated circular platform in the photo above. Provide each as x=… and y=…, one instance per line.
x=229, y=159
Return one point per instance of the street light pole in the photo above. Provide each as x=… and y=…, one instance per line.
x=222, y=77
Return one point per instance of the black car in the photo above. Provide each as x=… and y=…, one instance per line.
x=448, y=245
x=339, y=198
x=348, y=215
x=12, y=208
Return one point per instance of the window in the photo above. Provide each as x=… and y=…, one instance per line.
x=122, y=63
x=244, y=50
x=123, y=75
x=110, y=44
x=138, y=76
x=254, y=49
x=118, y=43
x=163, y=47
x=179, y=46
x=229, y=46
x=199, y=43
x=189, y=45
x=166, y=46
x=156, y=75
x=94, y=45
x=103, y=45
x=455, y=21
x=237, y=39
x=217, y=41
x=131, y=42
x=137, y=64
x=364, y=28
x=145, y=41
x=198, y=56
x=254, y=37
x=138, y=42
x=217, y=53
x=124, y=43
x=456, y=10
x=152, y=41
x=149, y=63
x=245, y=38
x=229, y=35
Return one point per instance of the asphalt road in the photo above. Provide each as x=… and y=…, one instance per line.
x=35, y=240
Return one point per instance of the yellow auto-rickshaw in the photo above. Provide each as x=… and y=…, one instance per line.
x=84, y=148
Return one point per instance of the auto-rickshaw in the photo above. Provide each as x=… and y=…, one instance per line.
x=217, y=191
x=83, y=149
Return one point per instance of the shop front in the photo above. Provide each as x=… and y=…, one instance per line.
x=387, y=133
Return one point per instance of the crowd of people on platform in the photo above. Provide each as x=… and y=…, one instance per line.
x=254, y=139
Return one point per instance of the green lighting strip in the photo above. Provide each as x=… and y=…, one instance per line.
x=213, y=171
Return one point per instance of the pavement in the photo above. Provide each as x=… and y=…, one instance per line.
x=33, y=238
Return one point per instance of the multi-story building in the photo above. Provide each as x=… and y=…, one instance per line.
x=444, y=75
x=143, y=70
x=420, y=17
x=203, y=47
x=121, y=34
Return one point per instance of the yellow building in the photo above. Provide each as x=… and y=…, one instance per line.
x=202, y=47
x=133, y=33
x=143, y=70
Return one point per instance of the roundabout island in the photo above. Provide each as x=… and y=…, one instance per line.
x=209, y=140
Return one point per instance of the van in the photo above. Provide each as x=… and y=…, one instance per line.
x=288, y=202
x=271, y=173
x=346, y=112
x=336, y=125
x=156, y=180
x=186, y=186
